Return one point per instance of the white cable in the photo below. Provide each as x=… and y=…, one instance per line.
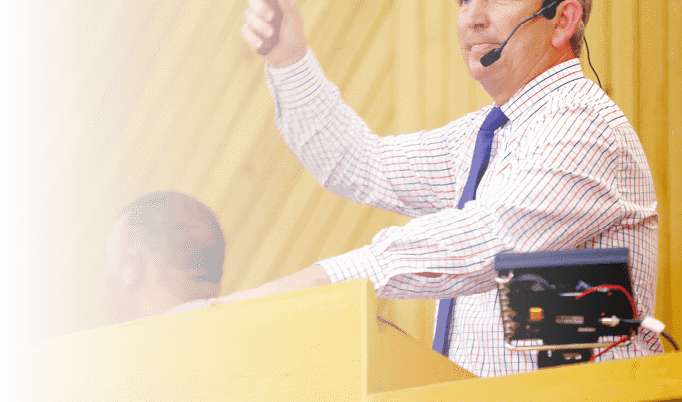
x=653, y=324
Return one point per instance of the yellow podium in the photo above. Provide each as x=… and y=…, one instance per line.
x=317, y=344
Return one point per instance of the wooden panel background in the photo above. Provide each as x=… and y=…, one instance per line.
x=107, y=100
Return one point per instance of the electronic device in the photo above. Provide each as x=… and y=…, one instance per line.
x=565, y=303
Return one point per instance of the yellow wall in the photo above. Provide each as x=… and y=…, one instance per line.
x=114, y=99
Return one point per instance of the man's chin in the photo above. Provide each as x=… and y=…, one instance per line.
x=483, y=74
x=476, y=70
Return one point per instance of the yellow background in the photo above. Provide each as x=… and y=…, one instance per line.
x=107, y=100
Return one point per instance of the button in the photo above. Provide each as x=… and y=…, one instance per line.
x=536, y=314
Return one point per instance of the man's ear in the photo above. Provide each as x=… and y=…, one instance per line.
x=133, y=273
x=568, y=16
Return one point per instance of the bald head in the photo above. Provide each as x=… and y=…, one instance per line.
x=166, y=249
x=176, y=229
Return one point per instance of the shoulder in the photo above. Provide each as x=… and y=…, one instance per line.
x=578, y=109
x=586, y=100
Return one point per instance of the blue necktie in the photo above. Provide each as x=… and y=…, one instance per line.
x=494, y=120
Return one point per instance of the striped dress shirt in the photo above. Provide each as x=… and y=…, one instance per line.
x=566, y=171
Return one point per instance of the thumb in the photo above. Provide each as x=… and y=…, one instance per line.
x=287, y=5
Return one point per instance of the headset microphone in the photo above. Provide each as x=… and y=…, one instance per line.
x=549, y=12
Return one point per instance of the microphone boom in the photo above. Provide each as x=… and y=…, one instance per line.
x=492, y=56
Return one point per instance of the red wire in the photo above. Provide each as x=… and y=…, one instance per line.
x=613, y=287
x=634, y=313
x=614, y=344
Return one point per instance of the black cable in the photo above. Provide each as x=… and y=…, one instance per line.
x=671, y=340
x=385, y=321
x=633, y=321
x=590, y=61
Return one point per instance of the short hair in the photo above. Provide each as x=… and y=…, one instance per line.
x=579, y=35
x=178, y=229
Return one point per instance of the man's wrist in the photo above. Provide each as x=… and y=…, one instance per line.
x=292, y=57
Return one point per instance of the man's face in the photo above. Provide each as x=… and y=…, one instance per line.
x=117, y=301
x=483, y=25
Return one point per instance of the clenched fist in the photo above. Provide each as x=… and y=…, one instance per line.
x=273, y=28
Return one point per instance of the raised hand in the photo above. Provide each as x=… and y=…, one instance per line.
x=274, y=29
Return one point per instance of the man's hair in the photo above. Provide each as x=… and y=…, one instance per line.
x=178, y=229
x=579, y=35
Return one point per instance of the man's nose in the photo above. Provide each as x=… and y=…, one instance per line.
x=475, y=14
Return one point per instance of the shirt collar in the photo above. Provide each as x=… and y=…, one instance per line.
x=540, y=86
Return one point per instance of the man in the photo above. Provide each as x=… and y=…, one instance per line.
x=565, y=170
x=166, y=249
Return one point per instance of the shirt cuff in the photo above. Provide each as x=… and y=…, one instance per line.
x=296, y=85
x=284, y=72
x=356, y=264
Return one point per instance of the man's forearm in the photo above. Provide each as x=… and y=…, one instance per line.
x=306, y=278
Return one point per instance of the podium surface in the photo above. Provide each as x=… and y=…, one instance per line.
x=316, y=344
x=655, y=378
x=322, y=343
